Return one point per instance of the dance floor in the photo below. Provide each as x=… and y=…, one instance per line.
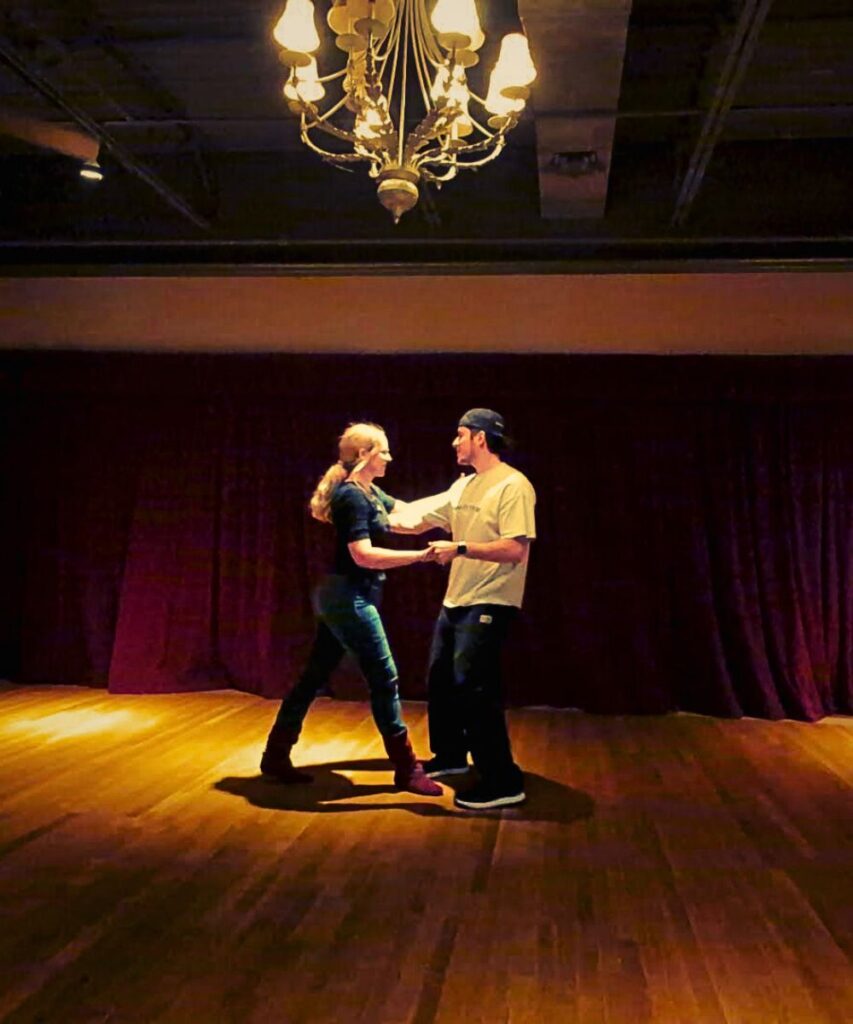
x=674, y=869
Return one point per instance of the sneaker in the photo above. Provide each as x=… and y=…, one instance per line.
x=485, y=795
x=435, y=767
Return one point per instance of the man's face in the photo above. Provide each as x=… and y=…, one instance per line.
x=464, y=445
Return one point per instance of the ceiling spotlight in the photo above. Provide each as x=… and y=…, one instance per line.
x=91, y=170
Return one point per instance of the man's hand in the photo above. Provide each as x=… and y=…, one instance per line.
x=504, y=550
x=404, y=520
x=445, y=550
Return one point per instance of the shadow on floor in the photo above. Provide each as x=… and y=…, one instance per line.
x=332, y=790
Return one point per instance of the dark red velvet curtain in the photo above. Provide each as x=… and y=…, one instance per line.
x=695, y=519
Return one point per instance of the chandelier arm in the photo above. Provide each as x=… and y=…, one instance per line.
x=422, y=58
x=335, y=158
x=392, y=38
x=399, y=29
x=333, y=76
x=472, y=165
x=496, y=143
x=442, y=152
x=490, y=138
x=490, y=146
x=322, y=118
x=419, y=68
x=436, y=57
x=329, y=129
x=389, y=49
x=485, y=131
x=401, y=127
x=439, y=179
x=389, y=43
x=427, y=131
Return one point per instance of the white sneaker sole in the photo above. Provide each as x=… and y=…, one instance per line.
x=500, y=801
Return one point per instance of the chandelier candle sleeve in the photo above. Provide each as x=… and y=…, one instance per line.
x=515, y=69
x=457, y=24
x=295, y=29
x=396, y=55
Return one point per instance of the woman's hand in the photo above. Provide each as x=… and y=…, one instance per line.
x=444, y=551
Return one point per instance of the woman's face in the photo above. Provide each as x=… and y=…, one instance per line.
x=378, y=461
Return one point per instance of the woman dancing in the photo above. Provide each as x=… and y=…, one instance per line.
x=347, y=608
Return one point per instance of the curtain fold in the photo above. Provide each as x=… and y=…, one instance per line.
x=695, y=518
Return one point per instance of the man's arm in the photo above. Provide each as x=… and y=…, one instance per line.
x=421, y=515
x=512, y=550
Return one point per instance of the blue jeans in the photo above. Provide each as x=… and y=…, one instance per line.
x=466, y=708
x=347, y=620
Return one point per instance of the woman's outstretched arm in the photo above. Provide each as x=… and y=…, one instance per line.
x=366, y=556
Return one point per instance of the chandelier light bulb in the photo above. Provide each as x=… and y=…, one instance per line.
x=458, y=93
x=440, y=83
x=295, y=29
x=457, y=23
x=369, y=124
x=305, y=85
x=515, y=68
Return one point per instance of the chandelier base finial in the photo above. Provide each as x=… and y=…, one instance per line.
x=398, y=191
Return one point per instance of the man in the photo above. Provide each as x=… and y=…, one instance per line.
x=490, y=516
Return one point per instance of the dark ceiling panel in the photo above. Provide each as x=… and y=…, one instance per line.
x=193, y=92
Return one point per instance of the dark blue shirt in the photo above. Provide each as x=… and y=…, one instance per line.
x=356, y=516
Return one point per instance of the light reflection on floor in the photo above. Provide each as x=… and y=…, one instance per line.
x=65, y=725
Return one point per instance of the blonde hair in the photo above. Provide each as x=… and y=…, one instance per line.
x=355, y=439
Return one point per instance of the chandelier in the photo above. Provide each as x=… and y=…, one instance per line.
x=395, y=51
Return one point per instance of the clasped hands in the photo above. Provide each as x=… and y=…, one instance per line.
x=441, y=551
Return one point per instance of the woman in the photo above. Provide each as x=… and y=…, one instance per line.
x=347, y=607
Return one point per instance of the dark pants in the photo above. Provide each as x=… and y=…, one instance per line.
x=347, y=620
x=466, y=707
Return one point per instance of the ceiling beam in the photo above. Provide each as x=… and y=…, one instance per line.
x=48, y=135
x=741, y=48
x=579, y=48
x=37, y=81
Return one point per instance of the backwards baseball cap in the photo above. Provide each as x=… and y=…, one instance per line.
x=484, y=419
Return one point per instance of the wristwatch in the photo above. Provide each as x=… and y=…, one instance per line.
x=461, y=548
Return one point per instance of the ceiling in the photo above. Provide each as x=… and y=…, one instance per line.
x=680, y=133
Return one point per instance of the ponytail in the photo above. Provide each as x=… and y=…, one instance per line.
x=321, y=500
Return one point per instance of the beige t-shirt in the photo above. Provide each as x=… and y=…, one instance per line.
x=484, y=507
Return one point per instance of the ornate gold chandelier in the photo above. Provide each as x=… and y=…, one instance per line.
x=390, y=45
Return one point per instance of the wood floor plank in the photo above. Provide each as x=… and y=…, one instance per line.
x=665, y=870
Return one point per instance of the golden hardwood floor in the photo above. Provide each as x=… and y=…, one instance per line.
x=676, y=869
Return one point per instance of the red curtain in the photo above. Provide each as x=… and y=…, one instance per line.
x=695, y=521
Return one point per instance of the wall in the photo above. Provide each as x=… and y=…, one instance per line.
x=761, y=313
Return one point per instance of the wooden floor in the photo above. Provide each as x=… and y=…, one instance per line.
x=679, y=869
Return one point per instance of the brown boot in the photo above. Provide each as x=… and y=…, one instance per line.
x=408, y=770
x=275, y=761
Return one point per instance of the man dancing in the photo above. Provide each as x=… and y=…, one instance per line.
x=490, y=516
